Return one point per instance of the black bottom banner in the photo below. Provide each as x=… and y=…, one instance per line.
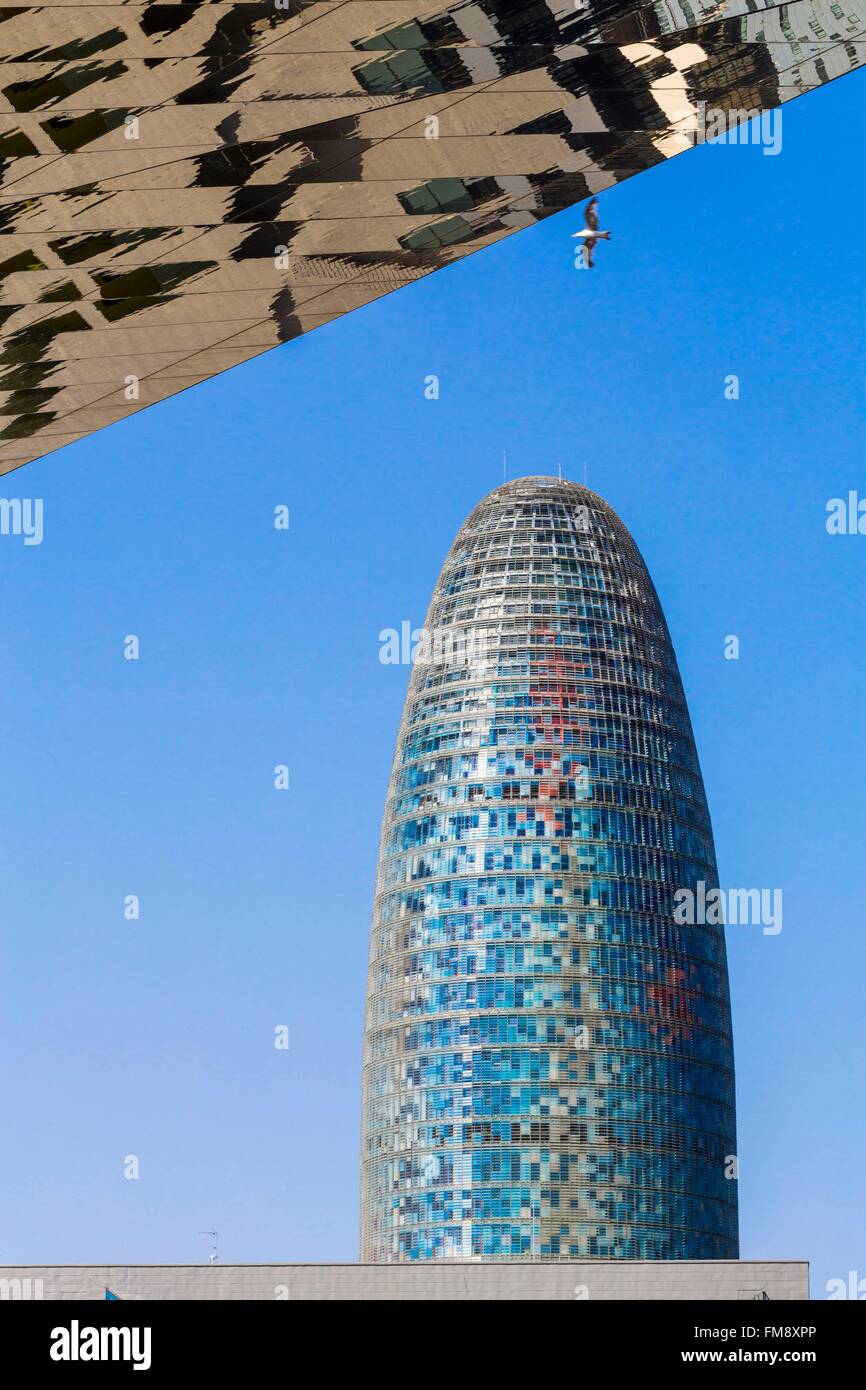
x=225, y=1338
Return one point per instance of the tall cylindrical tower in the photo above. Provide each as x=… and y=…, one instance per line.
x=548, y=1065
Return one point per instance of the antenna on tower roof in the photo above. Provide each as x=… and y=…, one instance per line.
x=214, y=1257
x=504, y=476
x=584, y=473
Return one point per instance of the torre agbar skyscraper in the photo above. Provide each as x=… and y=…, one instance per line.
x=548, y=1068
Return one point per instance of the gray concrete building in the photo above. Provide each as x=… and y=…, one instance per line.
x=574, y=1281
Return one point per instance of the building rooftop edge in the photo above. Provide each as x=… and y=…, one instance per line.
x=421, y=1266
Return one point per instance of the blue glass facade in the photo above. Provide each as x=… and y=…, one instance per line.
x=548, y=1068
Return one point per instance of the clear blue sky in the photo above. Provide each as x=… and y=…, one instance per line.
x=261, y=647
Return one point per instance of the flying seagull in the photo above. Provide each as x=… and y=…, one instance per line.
x=590, y=233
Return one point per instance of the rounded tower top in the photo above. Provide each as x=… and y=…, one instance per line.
x=543, y=487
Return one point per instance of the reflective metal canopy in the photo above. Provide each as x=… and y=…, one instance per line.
x=187, y=185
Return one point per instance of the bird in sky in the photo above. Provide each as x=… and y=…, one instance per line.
x=590, y=234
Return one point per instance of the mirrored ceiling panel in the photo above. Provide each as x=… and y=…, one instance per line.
x=185, y=186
